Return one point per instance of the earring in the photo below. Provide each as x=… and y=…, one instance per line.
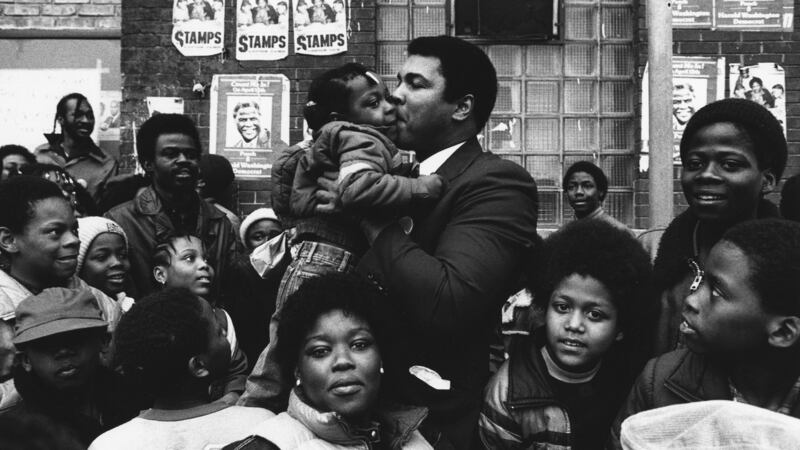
x=297, y=382
x=381, y=370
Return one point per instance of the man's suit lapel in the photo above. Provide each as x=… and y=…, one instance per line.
x=458, y=162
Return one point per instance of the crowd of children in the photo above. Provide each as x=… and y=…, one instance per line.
x=162, y=326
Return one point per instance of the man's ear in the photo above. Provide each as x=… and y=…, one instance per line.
x=147, y=165
x=464, y=108
x=24, y=361
x=784, y=331
x=8, y=243
x=197, y=367
x=768, y=182
x=160, y=274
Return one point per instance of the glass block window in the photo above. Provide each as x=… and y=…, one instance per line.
x=558, y=102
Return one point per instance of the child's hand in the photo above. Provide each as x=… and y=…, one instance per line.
x=432, y=186
x=328, y=201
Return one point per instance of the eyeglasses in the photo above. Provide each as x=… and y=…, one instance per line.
x=699, y=274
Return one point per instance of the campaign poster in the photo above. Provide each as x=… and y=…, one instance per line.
x=262, y=30
x=763, y=83
x=108, y=116
x=692, y=13
x=755, y=15
x=696, y=81
x=198, y=27
x=249, y=121
x=320, y=27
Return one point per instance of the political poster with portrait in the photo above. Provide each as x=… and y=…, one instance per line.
x=320, y=27
x=249, y=121
x=696, y=81
x=262, y=30
x=108, y=116
x=763, y=83
x=693, y=13
x=741, y=15
x=198, y=27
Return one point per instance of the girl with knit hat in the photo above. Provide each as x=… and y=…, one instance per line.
x=258, y=227
x=103, y=257
x=733, y=153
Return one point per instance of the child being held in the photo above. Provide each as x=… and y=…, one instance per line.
x=563, y=384
x=180, y=262
x=741, y=324
x=173, y=344
x=60, y=334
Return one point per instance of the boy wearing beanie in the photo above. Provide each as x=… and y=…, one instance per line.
x=60, y=334
x=103, y=257
x=733, y=152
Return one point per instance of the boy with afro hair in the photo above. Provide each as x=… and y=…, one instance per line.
x=173, y=345
x=563, y=384
x=741, y=323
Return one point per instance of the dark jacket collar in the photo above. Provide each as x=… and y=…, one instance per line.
x=462, y=158
x=696, y=378
x=677, y=245
x=528, y=380
x=90, y=149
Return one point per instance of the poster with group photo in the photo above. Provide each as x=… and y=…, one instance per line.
x=320, y=27
x=262, y=30
x=763, y=83
x=249, y=121
x=198, y=27
x=696, y=82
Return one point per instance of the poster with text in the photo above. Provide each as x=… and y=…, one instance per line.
x=696, y=81
x=763, y=83
x=198, y=27
x=755, y=14
x=262, y=30
x=692, y=13
x=249, y=121
x=320, y=26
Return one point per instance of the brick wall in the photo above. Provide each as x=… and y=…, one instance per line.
x=152, y=66
x=60, y=14
x=737, y=47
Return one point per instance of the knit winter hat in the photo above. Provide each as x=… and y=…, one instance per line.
x=255, y=216
x=91, y=227
x=763, y=128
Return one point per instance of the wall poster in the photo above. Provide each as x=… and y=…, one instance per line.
x=320, y=27
x=763, y=83
x=249, y=121
x=696, y=81
x=198, y=27
x=741, y=15
x=262, y=30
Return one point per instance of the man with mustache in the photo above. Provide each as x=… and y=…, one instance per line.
x=73, y=148
x=168, y=148
x=248, y=122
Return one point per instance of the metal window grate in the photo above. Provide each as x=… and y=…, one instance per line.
x=557, y=103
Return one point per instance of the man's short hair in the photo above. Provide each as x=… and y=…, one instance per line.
x=466, y=70
x=756, y=80
x=597, y=173
x=13, y=149
x=247, y=104
x=163, y=124
x=772, y=249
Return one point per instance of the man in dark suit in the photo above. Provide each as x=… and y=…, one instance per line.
x=448, y=277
